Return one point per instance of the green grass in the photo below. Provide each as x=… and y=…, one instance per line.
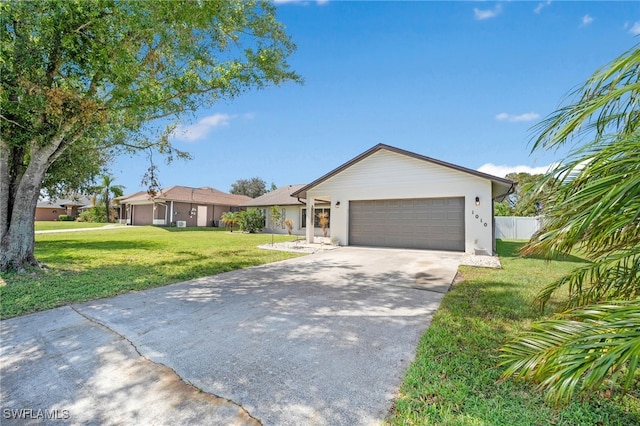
x=96, y=264
x=52, y=226
x=454, y=378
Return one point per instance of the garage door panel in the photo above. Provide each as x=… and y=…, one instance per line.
x=422, y=223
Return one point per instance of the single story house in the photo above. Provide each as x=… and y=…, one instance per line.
x=50, y=210
x=389, y=197
x=178, y=205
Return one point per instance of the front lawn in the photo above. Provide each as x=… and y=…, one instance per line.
x=53, y=226
x=95, y=264
x=453, y=380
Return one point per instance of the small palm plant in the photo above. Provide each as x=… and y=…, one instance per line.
x=289, y=224
x=230, y=219
x=323, y=221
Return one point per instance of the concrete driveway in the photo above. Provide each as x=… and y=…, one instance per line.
x=322, y=339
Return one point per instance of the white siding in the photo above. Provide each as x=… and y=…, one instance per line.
x=389, y=175
x=291, y=212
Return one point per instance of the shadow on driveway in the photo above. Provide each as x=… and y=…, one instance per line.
x=321, y=339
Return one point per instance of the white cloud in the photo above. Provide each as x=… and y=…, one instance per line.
x=504, y=170
x=527, y=116
x=541, y=6
x=201, y=129
x=586, y=20
x=635, y=29
x=481, y=15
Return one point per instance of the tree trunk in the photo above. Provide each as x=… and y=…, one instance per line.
x=17, y=244
x=18, y=208
x=106, y=204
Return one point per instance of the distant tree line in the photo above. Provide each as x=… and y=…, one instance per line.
x=253, y=187
x=526, y=199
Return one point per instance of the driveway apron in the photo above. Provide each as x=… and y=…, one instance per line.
x=322, y=339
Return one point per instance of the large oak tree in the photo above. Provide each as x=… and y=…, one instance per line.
x=82, y=81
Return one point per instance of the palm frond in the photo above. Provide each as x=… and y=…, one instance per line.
x=610, y=96
x=593, y=200
x=575, y=351
x=613, y=276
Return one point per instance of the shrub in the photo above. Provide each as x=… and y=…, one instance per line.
x=251, y=221
x=66, y=218
x=94, y=214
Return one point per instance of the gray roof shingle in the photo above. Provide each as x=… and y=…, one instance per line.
x=279, y=197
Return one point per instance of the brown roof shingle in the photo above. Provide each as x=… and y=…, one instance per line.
x=186, y=194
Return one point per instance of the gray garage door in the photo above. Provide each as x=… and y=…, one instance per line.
x=423, y=223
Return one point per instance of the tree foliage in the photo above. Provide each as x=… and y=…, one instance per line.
x=526, y=200
x=107, y=190
x=591, y=204
x=276, y=218
x=84, y=81
x=253, y=187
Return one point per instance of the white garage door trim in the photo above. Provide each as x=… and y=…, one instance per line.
x=417, y=223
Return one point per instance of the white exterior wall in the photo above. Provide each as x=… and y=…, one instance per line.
x=388, y=175
x=291, y=212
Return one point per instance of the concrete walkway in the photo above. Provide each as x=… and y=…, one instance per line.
x=317, y=340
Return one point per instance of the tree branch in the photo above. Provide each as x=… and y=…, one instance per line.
x=13, y=122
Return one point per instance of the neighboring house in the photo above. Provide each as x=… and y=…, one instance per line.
x=178, y=205
x=389, y=197
x=291, y=208
x=49, y=210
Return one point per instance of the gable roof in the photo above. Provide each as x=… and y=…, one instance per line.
x=278, y=197
x=187, y=194
x=302, y=192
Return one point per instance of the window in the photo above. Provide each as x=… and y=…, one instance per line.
x=315, y=219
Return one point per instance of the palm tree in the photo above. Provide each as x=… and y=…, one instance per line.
x=230, y=219
x=592, y=204
x=106, y=189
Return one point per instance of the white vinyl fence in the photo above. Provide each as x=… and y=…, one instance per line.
x=516, y=227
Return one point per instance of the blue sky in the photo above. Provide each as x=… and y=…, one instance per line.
x=462, y=82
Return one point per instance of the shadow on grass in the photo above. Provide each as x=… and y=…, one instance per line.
x=507, y=248
x=99, y=245
x=454, y=379
x=193, y=229
x=27, y=293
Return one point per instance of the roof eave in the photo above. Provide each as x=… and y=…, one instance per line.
x=302, y=193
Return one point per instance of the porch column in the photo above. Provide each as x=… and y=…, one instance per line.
x=309, y=224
